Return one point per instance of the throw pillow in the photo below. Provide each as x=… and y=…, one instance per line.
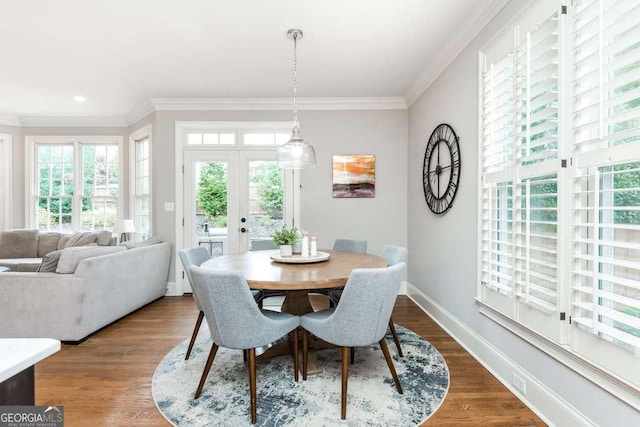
x=64, y=238
x=50, y=262
x=19, y=244
x=82, y=238
x=71, y=257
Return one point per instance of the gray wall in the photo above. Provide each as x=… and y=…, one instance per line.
x=380, y=132
x=443, y=249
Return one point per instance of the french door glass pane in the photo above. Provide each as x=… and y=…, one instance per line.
x=211, y=198
x=266, y=202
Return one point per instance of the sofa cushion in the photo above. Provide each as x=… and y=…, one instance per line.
x=30, y=265
x=103, y=237
x=50, y=262
x=21, y=264
x=149, y=241
x=47, y=242
x=71, y=257
x=19, y=244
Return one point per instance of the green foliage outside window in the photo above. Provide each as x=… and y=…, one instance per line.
x=269, y=179
x=627, y=198
x=212, y=193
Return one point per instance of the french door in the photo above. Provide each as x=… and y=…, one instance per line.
x=233, y=200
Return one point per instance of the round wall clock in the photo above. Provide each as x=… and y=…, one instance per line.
x=441, y=169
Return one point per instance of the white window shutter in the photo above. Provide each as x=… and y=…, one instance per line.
x=606, y=194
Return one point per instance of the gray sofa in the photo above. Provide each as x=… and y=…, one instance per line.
x=23, y=250
x=101, y=290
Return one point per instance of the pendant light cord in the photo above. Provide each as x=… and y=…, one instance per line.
x=295, y=80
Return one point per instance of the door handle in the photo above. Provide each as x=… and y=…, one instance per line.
x=243, y=219
x=243, y=230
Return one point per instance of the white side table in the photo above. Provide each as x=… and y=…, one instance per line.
x=17, y=359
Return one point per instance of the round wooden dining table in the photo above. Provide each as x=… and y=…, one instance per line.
x=297, y=279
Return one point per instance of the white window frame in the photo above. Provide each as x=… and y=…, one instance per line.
x=31, y=169
x=6, y=175
x=561, y=349
x=144, y=132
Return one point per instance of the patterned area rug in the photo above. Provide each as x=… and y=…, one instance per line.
x=372, y=397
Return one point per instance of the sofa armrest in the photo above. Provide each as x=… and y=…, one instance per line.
x=40, y=305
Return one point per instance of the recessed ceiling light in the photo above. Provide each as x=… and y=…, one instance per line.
x=79, y=98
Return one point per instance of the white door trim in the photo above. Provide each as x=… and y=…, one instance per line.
x=6, y=175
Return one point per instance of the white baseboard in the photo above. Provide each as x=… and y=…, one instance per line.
x=545, y=403
x=171, y=290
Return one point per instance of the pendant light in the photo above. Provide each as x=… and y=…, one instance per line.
x=296, y=154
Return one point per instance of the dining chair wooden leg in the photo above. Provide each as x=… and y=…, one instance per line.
x=387, y=357
x=207, y=367
x=194, y=334
x=395, y=336
x=305, y=353
x=294, y=344
x=352, y=355
x=252, y=384
x=345, y=378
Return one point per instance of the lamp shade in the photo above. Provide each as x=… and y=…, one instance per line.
x=124, y=226
x=296, y=154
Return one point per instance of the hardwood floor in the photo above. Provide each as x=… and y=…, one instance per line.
x=106, y=380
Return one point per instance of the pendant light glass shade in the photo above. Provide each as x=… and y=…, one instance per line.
x=296, y=154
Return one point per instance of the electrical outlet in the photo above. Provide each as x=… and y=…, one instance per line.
x=519, y=383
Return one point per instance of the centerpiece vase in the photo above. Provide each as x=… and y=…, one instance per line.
x=286, y=250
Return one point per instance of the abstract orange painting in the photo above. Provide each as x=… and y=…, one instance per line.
x=354, y=176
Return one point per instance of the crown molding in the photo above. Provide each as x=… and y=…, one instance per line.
x=9, y=120
x=212, y=104
x=447, y=58
x=73, y=122
x=140, y=113
x=187, y=104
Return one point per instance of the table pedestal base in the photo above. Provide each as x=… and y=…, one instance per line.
x=297, y=303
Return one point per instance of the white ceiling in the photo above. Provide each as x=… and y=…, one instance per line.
x=119, y=54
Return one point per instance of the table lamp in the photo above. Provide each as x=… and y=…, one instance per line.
x=123, y=227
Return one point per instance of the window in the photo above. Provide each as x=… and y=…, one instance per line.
x=228, y=135
x=140, y=142
x=560, y=178
x=210, y=138
x=605, y=269
x=266, y=139
x=74, y=183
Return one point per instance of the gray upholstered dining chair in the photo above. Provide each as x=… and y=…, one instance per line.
x=196, y=256
x=394, y=255
x=236, y=322
x=348, y=245
x=343, y=245
x=359, y=320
